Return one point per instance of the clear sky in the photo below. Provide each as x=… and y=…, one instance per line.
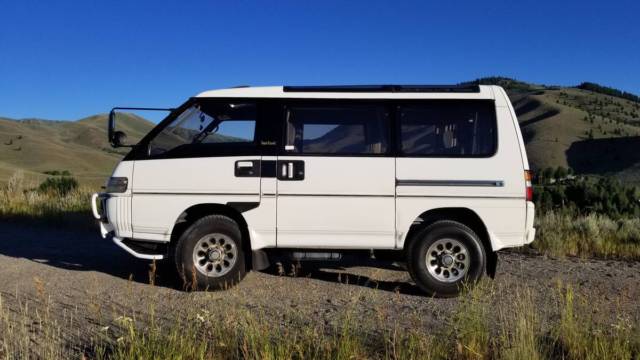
x=70, y=59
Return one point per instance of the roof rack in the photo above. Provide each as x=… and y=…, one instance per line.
x=471, y=88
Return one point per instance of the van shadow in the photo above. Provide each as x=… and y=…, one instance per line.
x=74, y=244
x=77, y=247
x=339, y=273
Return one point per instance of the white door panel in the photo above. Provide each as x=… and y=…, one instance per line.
x=194, y=175
x=162, y=189
x=335, y=221
x=342, y=202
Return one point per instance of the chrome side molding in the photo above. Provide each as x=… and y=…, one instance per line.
x=481, y=183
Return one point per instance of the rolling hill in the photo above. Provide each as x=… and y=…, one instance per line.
x=590, y=131
x=35, y=146
x=590, y=128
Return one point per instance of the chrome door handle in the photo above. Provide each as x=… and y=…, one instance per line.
x=247, y=168
x=290, y=170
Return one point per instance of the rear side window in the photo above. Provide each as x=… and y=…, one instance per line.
x=448, y=129
x=343, y=130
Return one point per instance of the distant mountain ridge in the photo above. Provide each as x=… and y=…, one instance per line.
x=592, y=128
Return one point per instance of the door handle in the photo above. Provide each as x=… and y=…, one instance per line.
x=247, y=168
x=290, y=170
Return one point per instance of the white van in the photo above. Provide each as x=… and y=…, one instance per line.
x=433, y=176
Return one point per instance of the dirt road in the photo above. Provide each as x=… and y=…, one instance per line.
x=83, y=275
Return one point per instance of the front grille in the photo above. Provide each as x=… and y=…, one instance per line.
x=118, y=211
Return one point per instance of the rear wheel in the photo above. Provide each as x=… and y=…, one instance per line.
x=444, y=257
x=209, y=254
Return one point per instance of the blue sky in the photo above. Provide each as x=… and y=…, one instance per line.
x=70, y=59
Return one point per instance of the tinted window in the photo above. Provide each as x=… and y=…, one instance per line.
x=207, y=126
x=448, y=128
x=346, y=130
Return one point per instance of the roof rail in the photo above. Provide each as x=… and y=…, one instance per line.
x=467, y=88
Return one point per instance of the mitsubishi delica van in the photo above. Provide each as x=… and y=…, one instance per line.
x=435, y=177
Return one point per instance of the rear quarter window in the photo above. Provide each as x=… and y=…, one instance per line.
x=455, y=128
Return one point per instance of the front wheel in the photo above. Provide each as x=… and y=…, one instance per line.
x=209, y=254
x=444, y=257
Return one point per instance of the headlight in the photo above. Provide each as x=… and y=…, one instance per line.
x=117, y=185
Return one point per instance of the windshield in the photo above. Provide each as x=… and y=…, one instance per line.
x=215, y=123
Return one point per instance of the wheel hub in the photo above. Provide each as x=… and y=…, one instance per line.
x=215, y=255
x=447, y=260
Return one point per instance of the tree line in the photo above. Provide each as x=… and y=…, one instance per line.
x=608, y=91
x=559, y=189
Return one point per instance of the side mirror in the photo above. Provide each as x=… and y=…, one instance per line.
x=119, y=139
x=116, y=138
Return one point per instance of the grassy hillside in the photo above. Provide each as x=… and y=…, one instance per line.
x=80, y=147
x=590, y=131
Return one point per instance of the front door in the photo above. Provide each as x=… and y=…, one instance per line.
x=208, y=154
x=336, y=179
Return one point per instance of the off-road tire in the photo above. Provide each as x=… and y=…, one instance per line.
x=183, y=254
x=441, y=230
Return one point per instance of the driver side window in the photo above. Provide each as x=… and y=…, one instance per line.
x=206, y=129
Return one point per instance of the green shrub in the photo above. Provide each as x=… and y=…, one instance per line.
x=59, y=186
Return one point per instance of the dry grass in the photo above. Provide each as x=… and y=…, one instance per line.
x=20, y=200
x=30, y=331
x=593, y=235
x=579, y=338
x=520, y=330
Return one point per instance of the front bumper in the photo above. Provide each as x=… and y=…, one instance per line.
x=98, y=206
x=107, y=230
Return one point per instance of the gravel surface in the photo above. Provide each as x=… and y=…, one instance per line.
x=89, y=281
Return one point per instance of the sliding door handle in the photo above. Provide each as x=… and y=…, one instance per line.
x=290, y=170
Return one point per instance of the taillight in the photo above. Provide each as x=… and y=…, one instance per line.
x=528, y=176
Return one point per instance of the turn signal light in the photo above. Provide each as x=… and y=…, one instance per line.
x=117, y=185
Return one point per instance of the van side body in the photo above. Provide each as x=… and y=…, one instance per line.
x=294, y=185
